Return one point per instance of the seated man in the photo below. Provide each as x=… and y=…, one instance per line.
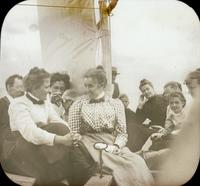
x=14, y=88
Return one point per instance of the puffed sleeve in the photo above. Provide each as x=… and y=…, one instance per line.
x=120, y=127
x=21, y=120
x=74, y=120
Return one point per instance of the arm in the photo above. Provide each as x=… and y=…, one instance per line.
x=140, y=111
x=75, y=116
x=53, y=116
x=21, y=120
x=120, y=127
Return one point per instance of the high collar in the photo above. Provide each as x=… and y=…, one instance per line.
x=33, y=99
x=101, y=95
x=37, y=99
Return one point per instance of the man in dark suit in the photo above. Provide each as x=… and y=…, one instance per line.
x=14, y=88
x=115, y=85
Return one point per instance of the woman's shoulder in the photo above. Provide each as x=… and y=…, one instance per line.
x=114, y=101
x=19, y=102
x=80, y=100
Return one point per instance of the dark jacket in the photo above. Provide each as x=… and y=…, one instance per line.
x=5, y=132
x=116, y=91
x=154, y=109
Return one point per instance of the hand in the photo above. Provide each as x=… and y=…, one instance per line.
x=142, y=101
x=76, y=138
x=113, y=149
x=56, y=98
x=163, y=131
x=65, y=140
x=156, y=136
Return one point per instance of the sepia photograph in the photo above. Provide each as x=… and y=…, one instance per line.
x=100, y=93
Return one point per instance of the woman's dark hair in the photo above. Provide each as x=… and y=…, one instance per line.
x=35, y=78
x=178, y=95
x=60, y=77
x=97, y=74
x=145, y=82
x=173, y=84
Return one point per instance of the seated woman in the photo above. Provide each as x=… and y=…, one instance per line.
x=42, y=138
x=99, y=118
x=161, y=140
x=151, y=107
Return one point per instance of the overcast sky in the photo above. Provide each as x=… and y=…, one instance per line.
x=158, y=40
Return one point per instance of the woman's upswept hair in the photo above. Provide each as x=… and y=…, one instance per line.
x=145, y=82
x=97, y=74
x=35, y=78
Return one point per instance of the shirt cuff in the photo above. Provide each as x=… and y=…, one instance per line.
x=50, y=139
x=121, y=141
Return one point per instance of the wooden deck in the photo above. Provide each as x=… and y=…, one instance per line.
x=21, y=180
x=106, y=180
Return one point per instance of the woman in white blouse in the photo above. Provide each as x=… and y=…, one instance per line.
x=42, y=137
x=100, y=118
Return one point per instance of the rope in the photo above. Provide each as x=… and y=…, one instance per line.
x=55, y=6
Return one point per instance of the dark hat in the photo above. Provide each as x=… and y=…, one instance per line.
x=114, y=71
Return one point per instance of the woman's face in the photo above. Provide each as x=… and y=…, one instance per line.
x=147, y=91
x=58, y=87
x=194, y=88
x=176, y=104
x=43, y=90
x=92, y=87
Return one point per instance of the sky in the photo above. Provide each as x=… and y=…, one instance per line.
x=154, y=39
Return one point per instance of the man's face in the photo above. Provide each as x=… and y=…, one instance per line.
x=17, y=89
x=193, y=88
x=114, y=75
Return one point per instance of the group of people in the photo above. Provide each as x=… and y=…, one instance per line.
x=48, y=130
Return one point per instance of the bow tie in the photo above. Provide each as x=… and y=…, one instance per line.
x=97, y=100
x=34, y=101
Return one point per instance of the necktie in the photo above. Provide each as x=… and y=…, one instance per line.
x=97, y=100
x=34, y=101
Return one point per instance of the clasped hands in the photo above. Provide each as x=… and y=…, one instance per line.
x=114, y=149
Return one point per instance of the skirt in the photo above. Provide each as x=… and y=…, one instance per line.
x=127, y=168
